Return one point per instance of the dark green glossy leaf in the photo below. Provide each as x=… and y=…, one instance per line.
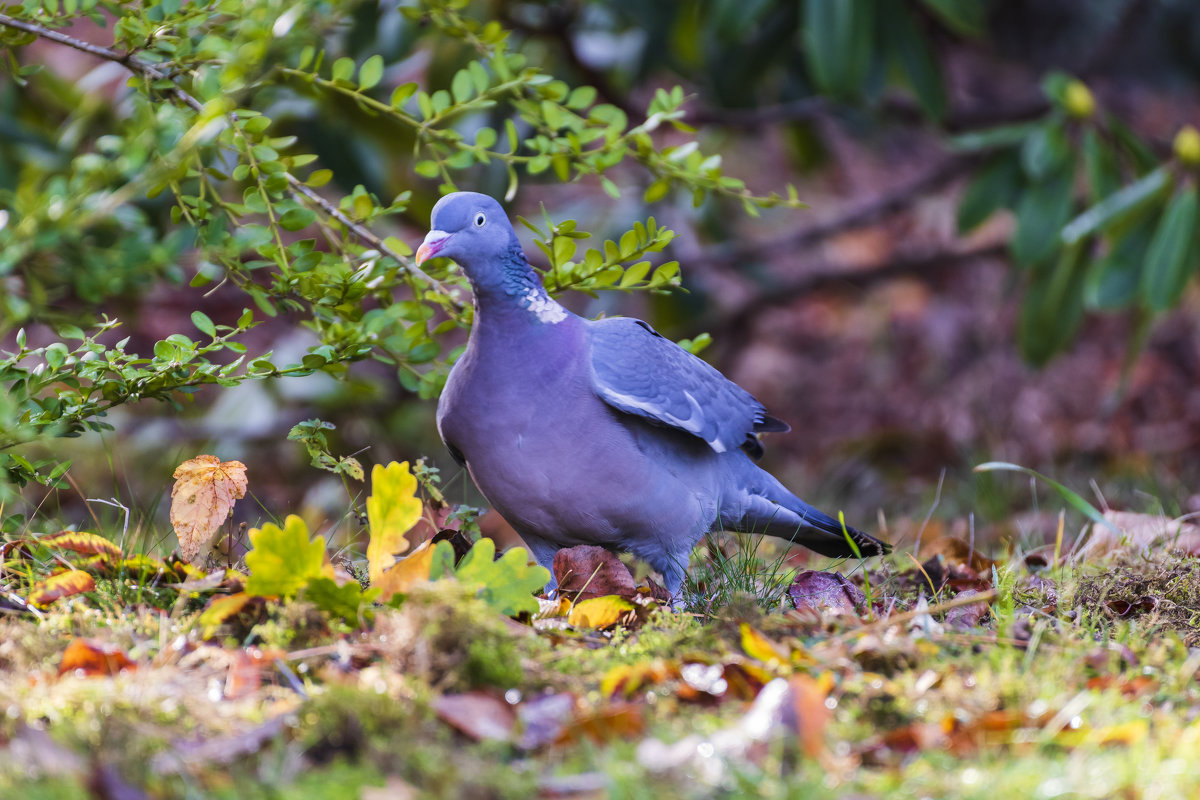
x=1053, y=306
x=909, y=47
x=837, y=38
x=1112, y=281
x=1043, y=209
x=1169, y=261
x=997, y=185
x=965, y=17
x=1117, y=207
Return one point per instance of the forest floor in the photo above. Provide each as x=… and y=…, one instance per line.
x=1064, y=671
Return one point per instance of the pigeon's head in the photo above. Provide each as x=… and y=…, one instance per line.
x=471, y=229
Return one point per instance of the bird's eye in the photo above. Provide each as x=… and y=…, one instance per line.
x=480, y=219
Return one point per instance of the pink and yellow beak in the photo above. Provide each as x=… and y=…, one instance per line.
x=435, y=240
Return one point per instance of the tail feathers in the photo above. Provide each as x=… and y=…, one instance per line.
x=800, y=523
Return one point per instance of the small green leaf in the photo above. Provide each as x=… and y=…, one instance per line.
x=371, y=72
x=297, y=218
x=203, y=323
x=462, y=87
x=343, y=69
x=838, y=44
x=401, y=94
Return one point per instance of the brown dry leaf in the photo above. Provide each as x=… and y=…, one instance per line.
x=93, y=657
x=477, y=714
x=204, y=493
x=826, y=591
x=1140, y=531
x=957, y=551
x=406, y=573
x=968, y=616
x=64, y=584
x=624, y=720
x=589, y=571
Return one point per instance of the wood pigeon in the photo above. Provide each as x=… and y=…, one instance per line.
x=601, y=432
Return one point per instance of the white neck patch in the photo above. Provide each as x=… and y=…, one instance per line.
x=544, y=307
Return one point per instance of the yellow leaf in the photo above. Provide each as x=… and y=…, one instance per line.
x=283, y=559
x=599, y=612
x=220, y=609
x=204, y=493
x=392, y=509
x=760, y=648
x=64, y=584
x=406, y=573
x=80, y=542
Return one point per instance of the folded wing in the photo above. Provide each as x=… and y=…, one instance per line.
x=638, y=371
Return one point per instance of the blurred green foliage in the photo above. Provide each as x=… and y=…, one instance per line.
x=247, y=143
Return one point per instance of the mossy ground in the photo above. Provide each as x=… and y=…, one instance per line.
x=1080, y=684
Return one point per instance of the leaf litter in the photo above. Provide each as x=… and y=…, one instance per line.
x=937, y=674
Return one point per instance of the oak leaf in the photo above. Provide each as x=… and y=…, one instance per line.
x=282, y=560
x=392, y=509
x=201, y=500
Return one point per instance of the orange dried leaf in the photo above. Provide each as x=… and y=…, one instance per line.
x=406, y=573
x=204, y=493
x=81, y=542
x=64, y=584
x=92, y=657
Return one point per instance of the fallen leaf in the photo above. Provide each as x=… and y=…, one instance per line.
x=1141, y=531
x=189, y=757
x=406, y=573
x=826, y=591
x=792, y=709
x=81, y=542
x=968, y=616
x=543, y=719
x=92, y=657
x=627, y=679
x=477, y=714
x=392, y=509
x=282, y=560
x=64, y=584
x=616, y=720
x=760, y=648
x=589, y=571
x=221, y=609
x=203, y=496
x=958, y=551
x=599, y=612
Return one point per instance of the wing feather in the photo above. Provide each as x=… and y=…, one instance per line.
x=638, y=371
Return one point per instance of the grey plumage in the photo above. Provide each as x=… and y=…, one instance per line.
x=601, y=432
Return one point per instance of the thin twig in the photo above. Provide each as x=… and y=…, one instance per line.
x=296, y=187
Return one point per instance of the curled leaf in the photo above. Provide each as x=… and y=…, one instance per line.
x=392, y=509
x=64, y=584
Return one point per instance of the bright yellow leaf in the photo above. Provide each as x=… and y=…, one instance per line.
x=283, y=559
x=392, y=509
x=761, y=648
x=599, y=612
